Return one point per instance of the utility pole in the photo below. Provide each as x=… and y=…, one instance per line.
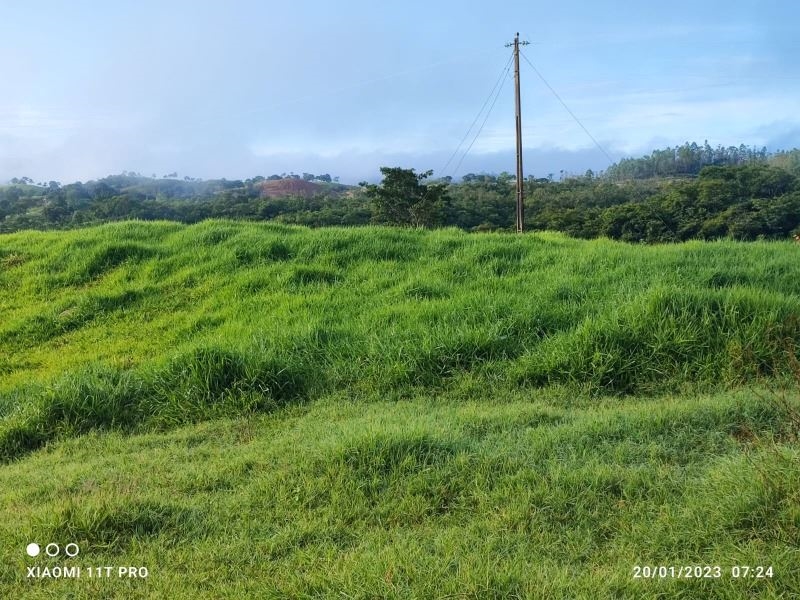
x=518, y=115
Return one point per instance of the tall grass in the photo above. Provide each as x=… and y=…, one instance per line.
x=136, y=325
x=252, y=410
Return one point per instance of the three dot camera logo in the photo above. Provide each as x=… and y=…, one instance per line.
x=71, y=550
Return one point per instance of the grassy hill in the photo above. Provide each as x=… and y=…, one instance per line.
x=254, y=410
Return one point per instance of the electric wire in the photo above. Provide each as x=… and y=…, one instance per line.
x=564, y=104
x=486, y=118
x=499, y=81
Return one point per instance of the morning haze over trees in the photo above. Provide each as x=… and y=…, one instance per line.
x=686, y=192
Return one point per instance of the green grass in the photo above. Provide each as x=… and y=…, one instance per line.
x=252, y=410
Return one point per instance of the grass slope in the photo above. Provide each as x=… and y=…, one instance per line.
x=257, y=410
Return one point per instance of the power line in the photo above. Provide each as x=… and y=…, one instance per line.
x=572, y=114
x=486, y=118
x=499, y=81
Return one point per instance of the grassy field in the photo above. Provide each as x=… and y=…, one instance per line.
x=252, y=410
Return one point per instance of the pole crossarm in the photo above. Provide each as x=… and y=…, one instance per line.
x=521, y=43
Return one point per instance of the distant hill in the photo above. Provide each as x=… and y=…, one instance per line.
x=676, y=194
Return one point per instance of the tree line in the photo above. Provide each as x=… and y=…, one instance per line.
x=751, y=196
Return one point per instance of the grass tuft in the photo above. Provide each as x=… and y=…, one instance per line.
x=113, y=527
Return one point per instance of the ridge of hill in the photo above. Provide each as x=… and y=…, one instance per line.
x=196, y=318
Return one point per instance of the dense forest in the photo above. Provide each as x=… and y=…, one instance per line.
x=688, y=159
x=675, y=194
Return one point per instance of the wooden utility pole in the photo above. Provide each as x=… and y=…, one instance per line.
x=518, y=114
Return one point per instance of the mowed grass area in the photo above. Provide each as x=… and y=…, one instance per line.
x=252, y=410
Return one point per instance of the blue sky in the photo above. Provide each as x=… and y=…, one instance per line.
x=239, y=88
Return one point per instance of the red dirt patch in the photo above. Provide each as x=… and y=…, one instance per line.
x=288, y=187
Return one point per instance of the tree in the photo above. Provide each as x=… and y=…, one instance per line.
x=402, y=199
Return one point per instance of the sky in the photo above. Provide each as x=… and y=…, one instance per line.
x=242, y=88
